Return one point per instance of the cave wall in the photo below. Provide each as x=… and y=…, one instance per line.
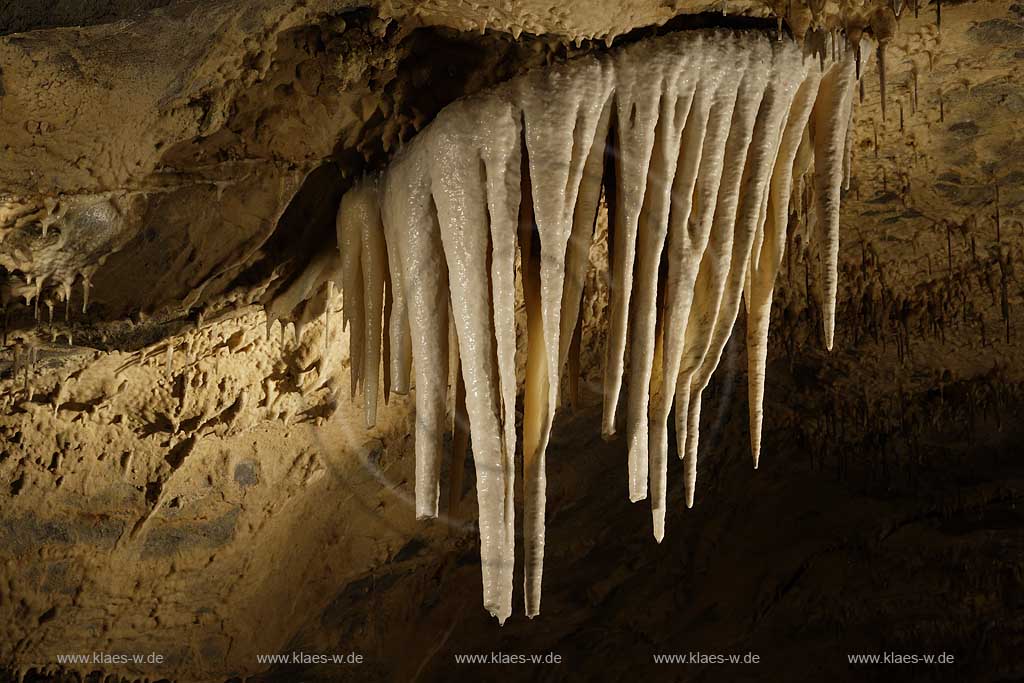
x=178, y=478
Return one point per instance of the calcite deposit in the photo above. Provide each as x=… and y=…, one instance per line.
x=326, y=323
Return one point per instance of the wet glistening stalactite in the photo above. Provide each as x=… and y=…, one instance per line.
x=697, y=142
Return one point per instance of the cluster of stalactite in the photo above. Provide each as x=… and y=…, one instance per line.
x=695, y=143
x=699, y=145
x=50, y=248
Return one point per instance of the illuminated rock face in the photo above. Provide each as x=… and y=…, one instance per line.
x=174, y=480
x=698, y=141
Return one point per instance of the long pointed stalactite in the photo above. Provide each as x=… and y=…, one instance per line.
x=697, y=142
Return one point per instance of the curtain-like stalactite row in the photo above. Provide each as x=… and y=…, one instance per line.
x=696, y=141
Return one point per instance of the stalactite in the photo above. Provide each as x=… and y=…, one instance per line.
x=365, y=213
x=765, y=262
x=883, y=26
x=698, y=141
x=66, y=292
x=848, y=152
x=349, y=238
x=460, y=188
x=460, y=447
x=38, y=296
x=831, y=119
x=719, y=278
x=418, y=267
x=85, y=293
x=570, y=99
x=679, y=94
x=535, y=410
x=702, y=145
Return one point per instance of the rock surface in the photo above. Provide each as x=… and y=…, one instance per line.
x=176, y=478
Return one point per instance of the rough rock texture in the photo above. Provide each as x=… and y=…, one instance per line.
x=177, y=479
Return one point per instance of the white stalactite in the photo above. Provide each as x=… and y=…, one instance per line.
x=418, y=267
x=460, y=193
x=711, y=131
x=677, y=94
x=684, y=245
x=637, y=95
x=570, y=99
x=398, y=330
